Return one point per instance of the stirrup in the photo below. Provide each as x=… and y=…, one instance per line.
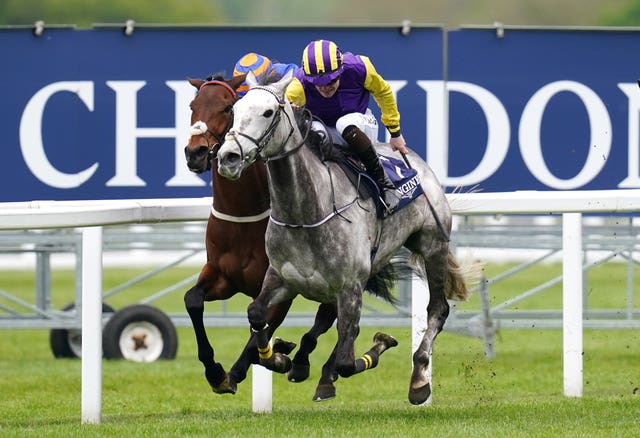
x=390, y=201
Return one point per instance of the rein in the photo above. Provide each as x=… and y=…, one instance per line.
x=444, y=234
x=264, y=139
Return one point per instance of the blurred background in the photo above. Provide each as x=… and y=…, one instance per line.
x=449, y=13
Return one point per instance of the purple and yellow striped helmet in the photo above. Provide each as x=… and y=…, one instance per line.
x=322, y=62
x=258, y=64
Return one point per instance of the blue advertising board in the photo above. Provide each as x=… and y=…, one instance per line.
x=536, y=109
x=96, y=114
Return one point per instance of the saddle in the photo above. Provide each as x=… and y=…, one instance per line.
x=405, y=179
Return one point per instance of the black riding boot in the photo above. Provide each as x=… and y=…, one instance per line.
x=361, y=144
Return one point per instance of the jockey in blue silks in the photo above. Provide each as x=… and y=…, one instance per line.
x=260, y=65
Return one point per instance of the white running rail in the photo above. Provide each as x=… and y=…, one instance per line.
x=92, y=215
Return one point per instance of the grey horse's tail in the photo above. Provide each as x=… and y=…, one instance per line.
x=459, y=279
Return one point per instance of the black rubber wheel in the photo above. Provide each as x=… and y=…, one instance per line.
x=67, y=343
x=139, y=333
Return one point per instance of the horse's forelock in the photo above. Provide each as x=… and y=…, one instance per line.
x=215, y=77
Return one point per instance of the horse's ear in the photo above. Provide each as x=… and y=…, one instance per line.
x=196, y=82
x=288, y=76
x=236, y=81
x=251, y=79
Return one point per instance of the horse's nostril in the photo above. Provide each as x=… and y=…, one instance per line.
x=202, y=151
x=231, y=158
x=198, y=153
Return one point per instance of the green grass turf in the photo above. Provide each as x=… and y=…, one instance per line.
x=517, y=394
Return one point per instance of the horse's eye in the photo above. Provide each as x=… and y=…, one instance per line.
x=268, y=113
x=228, y=109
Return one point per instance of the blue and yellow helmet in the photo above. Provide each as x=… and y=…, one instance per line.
x=258, y=64
x=322, y=62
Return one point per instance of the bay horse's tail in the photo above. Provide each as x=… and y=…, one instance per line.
x=382, y=283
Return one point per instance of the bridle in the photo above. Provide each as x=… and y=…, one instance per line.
x=201, y=128
x=264, y=139
x=266, y=136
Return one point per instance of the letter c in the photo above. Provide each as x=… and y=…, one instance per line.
x=31, y=136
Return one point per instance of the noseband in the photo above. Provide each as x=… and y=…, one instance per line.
x=201, y=128
x=264, y=139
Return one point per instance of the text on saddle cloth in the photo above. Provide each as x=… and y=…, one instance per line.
x=405, y=180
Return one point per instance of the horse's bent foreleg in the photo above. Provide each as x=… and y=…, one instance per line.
x=369, y=360
x=325, y=317
x=275, y=316
x=326, y=389
x=213, y=371
x=437, y=311
x=257, y=314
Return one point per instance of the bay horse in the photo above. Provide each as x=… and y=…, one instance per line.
x=236, y=258
x=324, y=241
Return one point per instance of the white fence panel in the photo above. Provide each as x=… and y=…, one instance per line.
x=69, y=214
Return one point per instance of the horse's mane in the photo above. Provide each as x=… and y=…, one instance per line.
x=270, y=78
x=322, y=146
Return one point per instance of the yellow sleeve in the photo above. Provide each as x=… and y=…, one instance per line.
x=383, y=95
x=295, y=93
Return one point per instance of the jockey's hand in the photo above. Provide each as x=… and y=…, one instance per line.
x=398, y=144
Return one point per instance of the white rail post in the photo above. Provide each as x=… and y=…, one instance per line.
x=572, y=303
x=262, y=389
x=91, y=325
x=419, y=321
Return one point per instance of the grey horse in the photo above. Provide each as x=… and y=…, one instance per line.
x=324, y=241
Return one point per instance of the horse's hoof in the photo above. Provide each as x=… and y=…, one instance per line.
x=418, y=396
x=278, y=363
x=298, y=373
x=227, y=386
x=387, y=340
x=282, y=346
x=286, y=365
x=324, y=391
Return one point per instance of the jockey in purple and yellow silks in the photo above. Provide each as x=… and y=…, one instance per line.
x=260, y=65
x=336, y=87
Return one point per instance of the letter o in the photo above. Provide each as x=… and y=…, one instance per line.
x=600, y=137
